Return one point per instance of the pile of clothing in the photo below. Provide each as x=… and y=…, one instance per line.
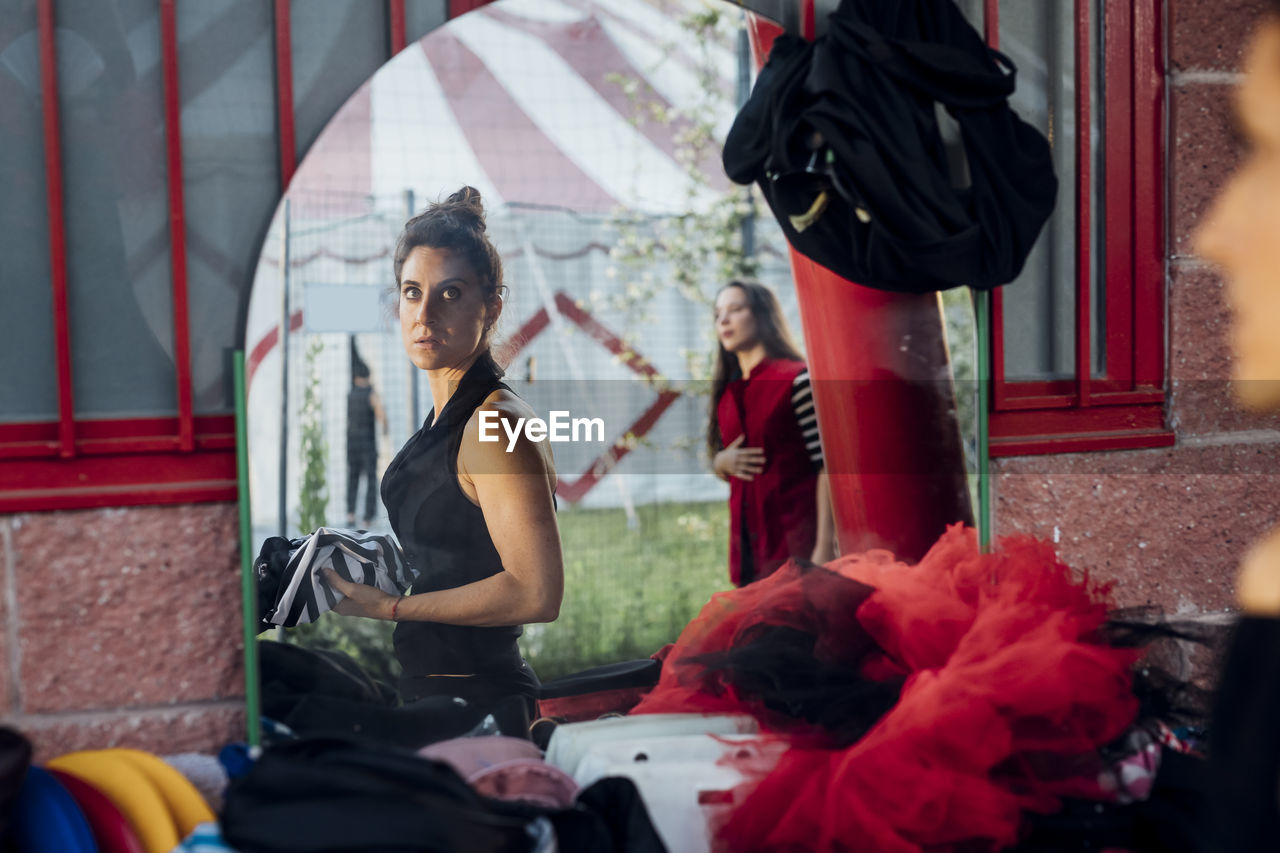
x=943, y=706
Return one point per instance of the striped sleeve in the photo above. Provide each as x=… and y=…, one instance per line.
x=807, y=417
x=303, y=595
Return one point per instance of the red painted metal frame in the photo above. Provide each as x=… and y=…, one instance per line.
x=70, y=463
x=57, y=226
x=1119, y=198
x=462, y=7
x=396, y=25
x=97, y=437
x=32, y=485
x=1027, y=417
x=1054, y=427
x=1084, y=197
x=284, y=94
x=1147, y=51
x=177, y=221
x=1124, y=409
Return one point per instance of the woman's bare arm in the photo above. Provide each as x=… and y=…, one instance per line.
x=514, y=491
x=824, y=548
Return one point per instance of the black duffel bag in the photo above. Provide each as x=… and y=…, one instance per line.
x=325, y=795
x=843, y=138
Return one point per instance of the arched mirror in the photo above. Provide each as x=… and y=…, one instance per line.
x=593, y=132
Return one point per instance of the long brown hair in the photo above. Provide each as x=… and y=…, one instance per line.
x=772, y=330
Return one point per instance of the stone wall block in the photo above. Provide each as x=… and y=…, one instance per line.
x=1169, y=526
x=1201, y=401
x=1205, y=153
x=1211, y=36
x=164, y=732
x=128, y=606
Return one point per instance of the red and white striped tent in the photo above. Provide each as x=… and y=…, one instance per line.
x=536, y=103
x=525, y=100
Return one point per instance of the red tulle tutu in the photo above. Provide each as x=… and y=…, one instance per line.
x=1007, y=692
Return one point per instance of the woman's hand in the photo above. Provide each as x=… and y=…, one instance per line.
x=738, y=461
x=358, y=599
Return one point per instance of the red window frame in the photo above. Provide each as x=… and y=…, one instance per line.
x=1124, y=409
x=75, y=463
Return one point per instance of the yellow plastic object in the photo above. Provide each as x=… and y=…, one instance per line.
x=187, y=808
x=131, y=792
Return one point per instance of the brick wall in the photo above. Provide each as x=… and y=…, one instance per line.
x=122, y=627
x=1171, y=525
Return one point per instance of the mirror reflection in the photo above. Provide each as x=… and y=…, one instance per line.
x=581, y=144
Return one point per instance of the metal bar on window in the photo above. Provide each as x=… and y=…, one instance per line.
x=1120, y=199
x=1084, y=177
x=395, y=14
x=1148, y=193
x=284, y=94
x=177, y=221
x=458, y=8
x=57, y=226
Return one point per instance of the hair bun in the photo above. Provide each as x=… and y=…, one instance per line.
x=467, y=202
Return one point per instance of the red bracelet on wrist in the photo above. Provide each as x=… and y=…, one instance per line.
x=394, y=608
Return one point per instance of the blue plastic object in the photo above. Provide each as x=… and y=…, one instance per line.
x=236, y=759
x=47, y=818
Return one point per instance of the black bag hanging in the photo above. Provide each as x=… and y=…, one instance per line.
x=843, y=138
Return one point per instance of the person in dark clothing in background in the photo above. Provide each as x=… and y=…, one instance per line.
x=364, y=411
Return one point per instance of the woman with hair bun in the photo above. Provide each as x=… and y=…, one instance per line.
x=763, y=438
x=476, y=519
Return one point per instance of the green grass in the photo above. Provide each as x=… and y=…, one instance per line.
x=629, y=591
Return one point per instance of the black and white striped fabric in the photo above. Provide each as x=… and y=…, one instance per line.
x=807, y=417
x=373, y=560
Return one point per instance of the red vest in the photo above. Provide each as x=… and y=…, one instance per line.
x=773, y=517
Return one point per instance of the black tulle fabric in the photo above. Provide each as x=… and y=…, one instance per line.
x=930, y=706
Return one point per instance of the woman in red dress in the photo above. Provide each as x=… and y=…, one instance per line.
x=763, y=438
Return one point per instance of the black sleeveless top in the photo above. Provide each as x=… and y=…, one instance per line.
x=360, y=427
x=445, y=538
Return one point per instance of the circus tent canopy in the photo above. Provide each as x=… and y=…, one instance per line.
x=535, y=102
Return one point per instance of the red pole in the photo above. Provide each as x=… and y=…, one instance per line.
x=284, y=94
x=177, y=221
x=395, y=12
x=886, y=403
x=57, y=226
